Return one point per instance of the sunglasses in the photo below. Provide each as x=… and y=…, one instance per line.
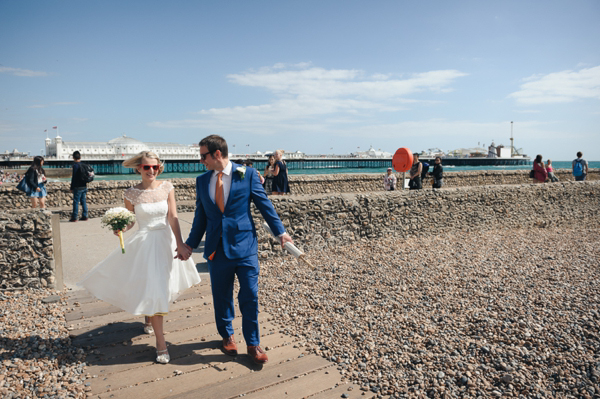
x=148, y=167
x=203, y=156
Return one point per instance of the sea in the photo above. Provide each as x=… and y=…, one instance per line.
x=555, y=164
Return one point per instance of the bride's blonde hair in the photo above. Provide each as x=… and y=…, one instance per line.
x=136, y=161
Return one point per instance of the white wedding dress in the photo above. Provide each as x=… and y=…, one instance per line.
x=145, y=279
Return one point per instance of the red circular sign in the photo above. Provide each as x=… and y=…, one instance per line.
x=402, y=160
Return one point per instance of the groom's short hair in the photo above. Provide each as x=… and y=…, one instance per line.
x=213, y=143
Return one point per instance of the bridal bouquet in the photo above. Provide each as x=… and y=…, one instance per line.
x=117, y=219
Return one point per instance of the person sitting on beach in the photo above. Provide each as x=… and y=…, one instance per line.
x=389, y=180
x=539, y=170
x=551, y=176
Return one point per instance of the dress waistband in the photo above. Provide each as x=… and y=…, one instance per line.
x=152, y=228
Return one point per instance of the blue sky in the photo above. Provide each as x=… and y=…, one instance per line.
x=315, y=76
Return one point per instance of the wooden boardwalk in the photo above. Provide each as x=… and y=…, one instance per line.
x=120, y=356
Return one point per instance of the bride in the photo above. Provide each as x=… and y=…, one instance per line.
x=151, y=274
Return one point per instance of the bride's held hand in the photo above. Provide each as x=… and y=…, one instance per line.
x=183, y=252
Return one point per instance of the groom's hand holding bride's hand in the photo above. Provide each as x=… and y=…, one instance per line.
x=183, y=251
x=285, y=238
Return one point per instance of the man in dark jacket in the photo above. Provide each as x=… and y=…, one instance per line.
x=79, y=189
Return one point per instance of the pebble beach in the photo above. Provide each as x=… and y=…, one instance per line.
x=37, y=359
x=503, y=313
x=509, y=313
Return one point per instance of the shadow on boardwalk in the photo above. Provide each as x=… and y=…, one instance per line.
x=120, y=357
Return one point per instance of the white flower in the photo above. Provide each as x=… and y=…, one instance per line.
x=117, y=218
x=242, y=171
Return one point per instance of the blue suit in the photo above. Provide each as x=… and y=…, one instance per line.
x=231, y=235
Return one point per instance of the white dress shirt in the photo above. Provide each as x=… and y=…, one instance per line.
x=226, y=183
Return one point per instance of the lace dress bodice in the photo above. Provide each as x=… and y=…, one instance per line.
x=150, y=206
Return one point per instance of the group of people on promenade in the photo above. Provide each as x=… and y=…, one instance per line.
x=418, y=173
x=7, y=177
x=542, y=173
x=275, y=180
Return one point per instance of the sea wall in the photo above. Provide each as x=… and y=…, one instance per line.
x=318, y=222
x=102, y=194
x=26, y=250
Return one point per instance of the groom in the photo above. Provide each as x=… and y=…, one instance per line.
x=223, y=197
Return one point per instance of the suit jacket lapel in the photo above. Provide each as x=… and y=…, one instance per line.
x=235, y=180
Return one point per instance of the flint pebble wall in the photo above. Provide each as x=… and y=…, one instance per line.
x=110, y=193
x=319, y=222
x=26, y=250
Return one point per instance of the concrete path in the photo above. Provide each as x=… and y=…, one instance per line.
x=85, y=244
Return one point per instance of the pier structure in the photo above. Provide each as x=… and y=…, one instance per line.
x=115, y=166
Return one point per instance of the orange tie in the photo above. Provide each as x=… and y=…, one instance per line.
x=219, y=192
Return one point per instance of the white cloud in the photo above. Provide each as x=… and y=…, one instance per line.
x=22, y=72
x=560, y=87
x=313, y=97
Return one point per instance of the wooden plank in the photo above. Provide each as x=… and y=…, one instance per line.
x=95, y=309
x=123, y=331
x=254, y=381
x=142, y=354
x=126, y=331
x=94, y=312
x=83, y=297
x=199, y=370
x=301, y=387
x=120, y=320
x=337, y=392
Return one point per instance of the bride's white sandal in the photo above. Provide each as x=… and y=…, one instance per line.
x=148, y=326
x=163, y=356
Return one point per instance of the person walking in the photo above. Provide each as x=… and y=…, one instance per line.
x=580, y=167
x=36, y=180
x=223, y=198
x=415, y=174
x=551, y=176
x=390, y=180
x=280, y=182
x=79, y=189
x=438, y=173
x=539, y=170
x=147, y=278
x=269, y=174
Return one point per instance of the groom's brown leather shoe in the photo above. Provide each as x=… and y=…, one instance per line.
x=257, y=354
x=229, y=346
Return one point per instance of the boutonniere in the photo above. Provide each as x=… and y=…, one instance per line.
x=242, y=171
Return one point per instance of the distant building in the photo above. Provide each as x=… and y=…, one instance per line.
x=372, y=153
x=13, y=155
x=119, y=148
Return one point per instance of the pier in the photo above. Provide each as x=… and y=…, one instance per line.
x=115, y=166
